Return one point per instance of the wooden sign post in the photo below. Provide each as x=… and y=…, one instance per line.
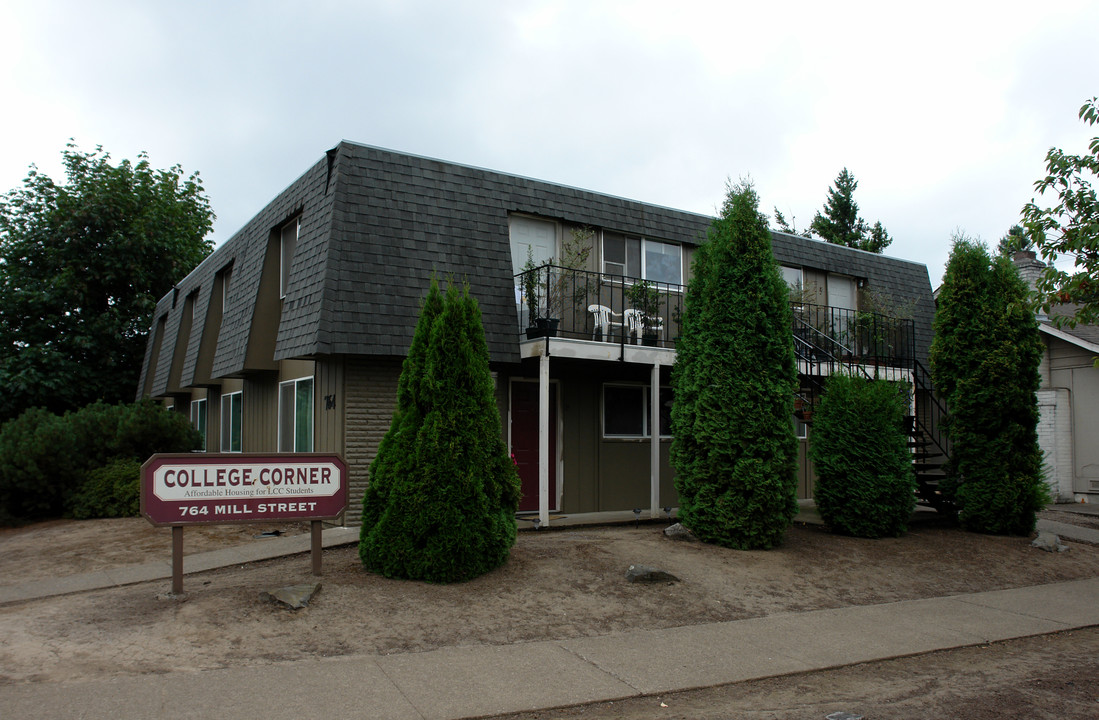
x=222, y=488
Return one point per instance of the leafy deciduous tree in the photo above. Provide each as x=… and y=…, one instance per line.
x=734, y=449
x=984, y=360
x=1069, y=228
x=81, y=268
x=446, y=511
x=840, y=223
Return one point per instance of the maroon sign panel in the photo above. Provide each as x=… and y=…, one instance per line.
x=207, y=489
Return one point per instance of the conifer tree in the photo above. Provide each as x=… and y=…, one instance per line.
x=734, y=450
x=840, y=223
x=395, y=449
x=984, y=360
x=446, y=512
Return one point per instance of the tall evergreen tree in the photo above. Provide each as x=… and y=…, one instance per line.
x=984, y=360
x=840, y=223
x=1013, y=241
x=734, y=451
x=395, y=450
x=446, y=508
x=790, y=228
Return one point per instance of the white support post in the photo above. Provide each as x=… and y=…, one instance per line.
x=543, y=439
x=654, y=447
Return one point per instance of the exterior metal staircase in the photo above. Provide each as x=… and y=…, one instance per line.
x=820, y=354
x=930, y=445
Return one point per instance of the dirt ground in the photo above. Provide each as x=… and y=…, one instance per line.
x=557, y=584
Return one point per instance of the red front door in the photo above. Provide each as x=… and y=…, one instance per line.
x=524, y=442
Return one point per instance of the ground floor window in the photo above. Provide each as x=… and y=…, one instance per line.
x=232, y=416
x=296, y=415
x=626, y=411
x=198, y=419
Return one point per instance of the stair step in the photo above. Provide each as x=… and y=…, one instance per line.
x=929, y=468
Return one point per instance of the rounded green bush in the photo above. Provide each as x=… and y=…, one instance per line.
x=110, y=491
x=865, y=483
x=45, y=459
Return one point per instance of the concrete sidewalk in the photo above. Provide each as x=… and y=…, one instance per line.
x=475, y=681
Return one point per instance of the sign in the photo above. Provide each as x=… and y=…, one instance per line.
x=211, y=488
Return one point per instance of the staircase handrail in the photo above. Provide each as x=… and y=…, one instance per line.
x=937, y=409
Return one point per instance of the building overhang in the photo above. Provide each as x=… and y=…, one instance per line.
x=1056, y=332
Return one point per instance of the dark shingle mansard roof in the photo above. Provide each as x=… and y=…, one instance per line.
x=376, y=224
x=311, y=196
x=398, y=218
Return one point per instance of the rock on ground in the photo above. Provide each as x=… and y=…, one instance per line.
x=1049, y=542
x=678, y=532
x=646, y=574
x=293, y=596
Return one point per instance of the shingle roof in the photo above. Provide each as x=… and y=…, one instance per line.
x=1086, y=333
x=403, y=217
x=311, y=196
x=376, y=224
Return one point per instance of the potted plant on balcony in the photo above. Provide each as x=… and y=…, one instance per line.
x=573, y=282
x=645, y=299
x=539, y=324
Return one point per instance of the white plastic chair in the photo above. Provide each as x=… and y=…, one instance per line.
x=636, y=323
x=601, y=316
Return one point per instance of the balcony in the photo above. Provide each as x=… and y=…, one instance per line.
x=831, y=335
x=558, y=302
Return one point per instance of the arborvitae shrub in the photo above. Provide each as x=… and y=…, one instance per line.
x=113, y=490
x=734, y=451
x=394, y=458
x=865, y=483
x=449, y=514
x=984, y=360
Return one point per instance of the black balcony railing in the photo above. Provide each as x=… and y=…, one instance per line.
x=824, y=333
x=561, y=302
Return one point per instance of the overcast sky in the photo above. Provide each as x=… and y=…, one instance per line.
x=943, y=112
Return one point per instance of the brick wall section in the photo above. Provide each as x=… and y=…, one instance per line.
x=371, y=396
x=1055, y=440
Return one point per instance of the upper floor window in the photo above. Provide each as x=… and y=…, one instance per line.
x=792, y=276
x=289, y=241
x=296, y=415
x=653, y=260
x=226, y=279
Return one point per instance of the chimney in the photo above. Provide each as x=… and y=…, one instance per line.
x=1029, y=266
